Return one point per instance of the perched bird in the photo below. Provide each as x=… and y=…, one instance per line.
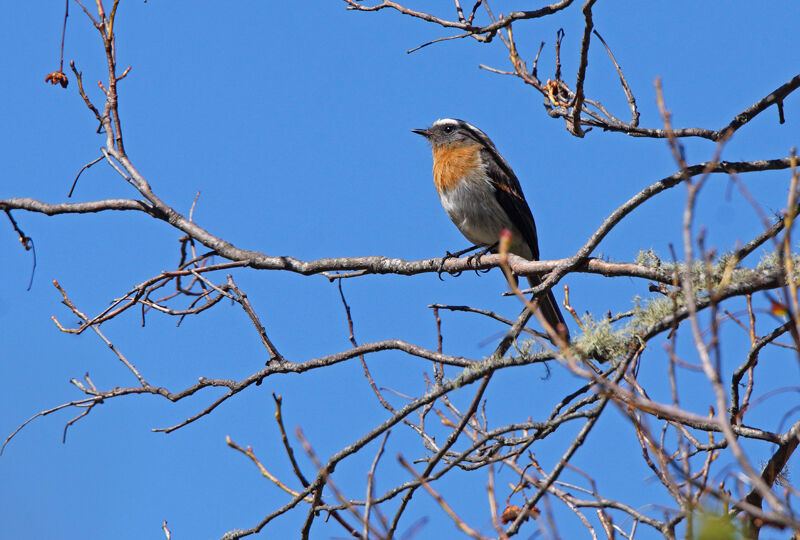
x=482, y=195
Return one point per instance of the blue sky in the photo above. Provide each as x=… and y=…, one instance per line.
x=293, y=123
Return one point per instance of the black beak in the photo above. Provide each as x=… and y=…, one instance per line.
x=424, y=132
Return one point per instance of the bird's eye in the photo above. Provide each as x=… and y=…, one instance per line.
x=448, y=129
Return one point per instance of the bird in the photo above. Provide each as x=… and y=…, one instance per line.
x=482, y=196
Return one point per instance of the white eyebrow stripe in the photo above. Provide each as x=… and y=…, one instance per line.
x=443, y=121
x=458, y=123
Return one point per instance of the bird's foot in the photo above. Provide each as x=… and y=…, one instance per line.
x=457, y=254
x=475, y=259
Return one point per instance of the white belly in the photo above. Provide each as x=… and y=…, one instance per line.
x=475, y=211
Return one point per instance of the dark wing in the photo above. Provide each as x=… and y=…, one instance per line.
x=508, y=193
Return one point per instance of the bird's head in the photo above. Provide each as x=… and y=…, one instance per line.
x=453, y=132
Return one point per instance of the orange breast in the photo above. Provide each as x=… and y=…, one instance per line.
x=451, y=163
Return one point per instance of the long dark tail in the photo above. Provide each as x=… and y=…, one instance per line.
x=550, y=310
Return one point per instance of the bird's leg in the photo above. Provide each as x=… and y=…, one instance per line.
x=475, y=258
x=448, y=255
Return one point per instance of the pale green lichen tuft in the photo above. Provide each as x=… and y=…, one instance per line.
x=600, y=340
x=649, y=311
x=648, y=257
x=605, y=340
x=608, y=338
x=711, y=274
x=717, y=526
x=771, y=260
